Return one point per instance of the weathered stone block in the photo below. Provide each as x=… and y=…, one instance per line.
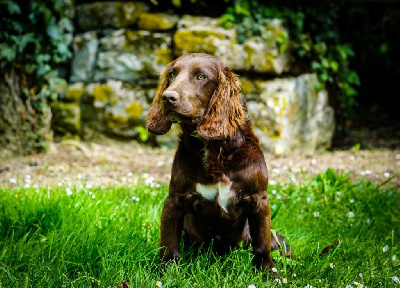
x=157, y=21
x=290, y=115
x=204, y=34
x=66, y=117
x=129, y=55
x=109, y=14
x=85, y=50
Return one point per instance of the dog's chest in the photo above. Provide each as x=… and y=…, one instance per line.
x=220, y=192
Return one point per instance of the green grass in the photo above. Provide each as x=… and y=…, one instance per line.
x=100, y=237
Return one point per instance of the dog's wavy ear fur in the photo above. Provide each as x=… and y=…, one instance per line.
x=225, y=112
x=157, y=123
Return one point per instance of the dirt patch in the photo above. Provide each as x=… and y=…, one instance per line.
x=118, y=163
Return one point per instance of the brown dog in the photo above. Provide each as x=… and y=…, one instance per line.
x=219, y=179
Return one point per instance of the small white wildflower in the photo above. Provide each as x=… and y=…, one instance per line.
x=278, y=197
x=313, y=161
x=35, y=186
x=284, y=280
x=160, y=163
x=361, y=275
x=27, y=176
x=386, y=174
x=316, y=214
x=272, y=182
x=294, y=275
x=308, y=199
x=338, y=199
x=273, y=206
x=145, y=175
x=149, y=181
x=27, y=180
x=394, y=258
x=352, y=201
x=276, y=170
x=278, y=280
x=123, y=179
x=349, y=286
x=251, y=286
x=359, y=285
x=339, y=192
x=88, y=186
x=308, y=286
x=385, y=248
x=396, y=279
x=352, y=158
x=274, y=270
x=27, y=185
x=93, y=196
x=368, y=221
x=350, y=214
x=13, y=180
x=130, y=174
x=159, y=284
x=59, y=184
x=273, y=191
x=69, y=191
x=331, y=265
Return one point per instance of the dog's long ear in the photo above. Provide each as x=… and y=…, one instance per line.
x=157, y=123
x=224, y=113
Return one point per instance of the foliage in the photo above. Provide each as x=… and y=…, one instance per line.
x=34, y=37
x=314, y=37
x=100, y=236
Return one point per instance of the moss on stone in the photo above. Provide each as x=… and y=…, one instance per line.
x=196, y=41
x=157, y=21
x=74, y=93
x=134, y=110
x=102, y=93
x=163, y=55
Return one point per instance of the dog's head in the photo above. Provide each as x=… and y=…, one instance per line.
x=197, y=89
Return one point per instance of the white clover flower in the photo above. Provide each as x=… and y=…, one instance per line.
x=349, y=286
x=338, y=199
x=274, y=270
x=350, y=214
x=308, y=199
x=386, y=174
x=273, y=182
x=308, y=286
x=331, y=265
x=313, y=161
x=361, y=275
x=396, y=279
x=394, y=258
x=294, y=275
x=251, y=286
x=368, y=221
x=273, y=191
x=69, y=191
x=13, y=180
x=27, y=185
x=130, y=174
x=88, y=186
x=385, y=248
x=159, y=284
x=149, y=181
x=278, y=280
x=316, y=214
x=352, y=201
x=93, y=196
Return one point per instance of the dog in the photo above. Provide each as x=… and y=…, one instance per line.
x=219, y=180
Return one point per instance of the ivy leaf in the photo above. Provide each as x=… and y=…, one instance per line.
x=13, y=8
x=53, y=32
x=7, y=53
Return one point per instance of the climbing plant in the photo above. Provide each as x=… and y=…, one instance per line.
x=314, y=39
x=34, y=38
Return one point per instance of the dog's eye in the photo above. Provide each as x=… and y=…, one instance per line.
x=171, y=74
x=200, y=77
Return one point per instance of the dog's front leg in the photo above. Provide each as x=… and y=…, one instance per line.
x=260, y=230
x=171, y=230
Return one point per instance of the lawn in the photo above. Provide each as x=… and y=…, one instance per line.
x=101, y=236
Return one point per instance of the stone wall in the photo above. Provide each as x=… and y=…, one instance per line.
x=122, y=47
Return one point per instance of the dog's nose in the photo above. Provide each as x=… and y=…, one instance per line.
x=170, y=97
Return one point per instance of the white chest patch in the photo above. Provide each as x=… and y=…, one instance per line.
x=220, y=191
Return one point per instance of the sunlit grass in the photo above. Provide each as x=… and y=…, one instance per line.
x=99, y=237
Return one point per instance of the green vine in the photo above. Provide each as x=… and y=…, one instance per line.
x=314, y=38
